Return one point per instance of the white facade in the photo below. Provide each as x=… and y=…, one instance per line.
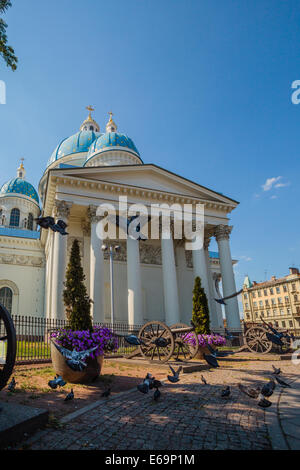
x=153, y=279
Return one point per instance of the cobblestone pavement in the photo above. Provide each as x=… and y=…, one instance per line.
x=188, y=416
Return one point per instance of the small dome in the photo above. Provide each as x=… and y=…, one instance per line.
x=111, y=140
x=18, y=186
x=79, y=142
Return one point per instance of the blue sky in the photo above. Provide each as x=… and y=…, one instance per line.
x=202, y=86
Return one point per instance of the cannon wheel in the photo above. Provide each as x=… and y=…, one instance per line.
x=148, y=334
x=182, y=347
x=257, y=340
x=7, y=346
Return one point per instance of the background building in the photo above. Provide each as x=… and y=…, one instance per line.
x=276, y=300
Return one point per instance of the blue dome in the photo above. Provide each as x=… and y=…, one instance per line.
x=19, y=186
x=111, y=139
x=79, y=142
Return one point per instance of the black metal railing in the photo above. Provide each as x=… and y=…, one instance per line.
x=33, y=337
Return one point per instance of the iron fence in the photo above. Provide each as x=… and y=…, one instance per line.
x=33, y=337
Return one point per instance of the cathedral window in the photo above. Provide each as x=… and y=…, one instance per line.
x=6, y=298
x=14, y=218
x=30, y=222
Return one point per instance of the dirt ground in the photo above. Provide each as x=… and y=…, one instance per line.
x=32, y=387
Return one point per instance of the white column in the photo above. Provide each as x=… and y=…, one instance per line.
x=96, y=269
x=222, y=233
x=86, y=229
x=59, y=262
x=185, y=310
x=172, y=313
x=200, y=269
x=134, y=284
x=211, y=298
x=220, y=328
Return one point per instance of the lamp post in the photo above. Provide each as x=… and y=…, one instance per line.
x=112, y=249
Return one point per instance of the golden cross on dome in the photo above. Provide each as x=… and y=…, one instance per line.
x=22, y=161
x=90, y=108
x=110, y=115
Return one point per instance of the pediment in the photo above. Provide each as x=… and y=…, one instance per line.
x=149, y=177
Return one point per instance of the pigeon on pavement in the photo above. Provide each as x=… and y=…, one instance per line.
x=203, y=380
x=251, y=392
x=175, y=377
x=156, y=394
x=268, y=389
x=282, y=382
x=211, y=360
x=264, y=403
x=226, y=392
x=276, y=371
x=12, y=385
x=70, y=395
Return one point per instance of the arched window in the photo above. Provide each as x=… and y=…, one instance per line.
x=91, y=128
x=14, y=217
x=6, y=298
x=30, y=222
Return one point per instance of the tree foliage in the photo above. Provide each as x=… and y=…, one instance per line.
x=7, y=52
x=200, y=317
x=76, y=299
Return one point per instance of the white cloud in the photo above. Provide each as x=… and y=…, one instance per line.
x=245, y=258
x=270, y=182
x=273, y=197
x=281, y=185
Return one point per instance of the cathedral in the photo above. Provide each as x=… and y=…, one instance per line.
x=153, y=278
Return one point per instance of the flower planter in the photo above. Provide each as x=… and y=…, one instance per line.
x=202, y=350
x=90, y=373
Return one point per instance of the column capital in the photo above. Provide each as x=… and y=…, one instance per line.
x=86, y=227
x=92, y=214
x=62, y=208
x=222, y=232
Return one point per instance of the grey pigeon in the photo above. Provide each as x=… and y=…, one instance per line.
x=203, y=380
x=282, y=382
x=45, y=222
x=226, y=392
x=211, y=360
x=134, y=340
x=106, y=393
x=52, y=383
x=251, y=392
x=57, y=381
x=147, y=383
x=264, y=403
x=12, y=385
x=75, y=359
x=276, y=371
x=175, y=377
x=268, y=389
x=70, y=395
x=156, y=394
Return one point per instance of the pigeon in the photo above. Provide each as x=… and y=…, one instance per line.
x=147, y=384
x=60, y=227
x=226, y=392
x=268, y=389
x=12, y=385
x=274, y=339
x=134, y=340
x=235, y=294
x=156, y=383
x=45, y=222
x=211, y=350
x=175, y=377
x=156, y=394
x=251, y=392
x=203, y=380
x=75, y=359
x=211, y=360
x=106, y=393
x=276, y=371
x=263, y=403
x=57, y=381
x=70, y=395
x=281, y=382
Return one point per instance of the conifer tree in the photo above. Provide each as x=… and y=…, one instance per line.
x=76, y=299
x=200, y=316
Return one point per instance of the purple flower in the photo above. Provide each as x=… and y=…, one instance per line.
x=103, y=338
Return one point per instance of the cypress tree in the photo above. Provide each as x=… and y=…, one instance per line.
x=76, y=299
x=200, y=316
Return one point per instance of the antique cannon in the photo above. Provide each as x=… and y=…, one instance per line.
x=262, y=338
x=160, y=342
x=7, y=346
